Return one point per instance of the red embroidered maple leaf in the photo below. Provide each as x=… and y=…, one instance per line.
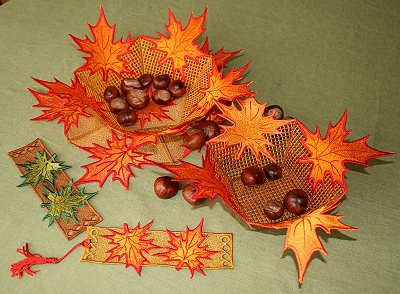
x=221, y=57
x=116, y=159
x=104, y=53
x=131, y=244
x=64, y=102
x=302, y=236
x=328, y=155
x=179, y=44
x=187, y=250
x=153, y=110
x=249, y=127
x=222, y=88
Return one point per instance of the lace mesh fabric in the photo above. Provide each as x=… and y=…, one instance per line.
x=249, y=201
x=98, y=252
x=143, y=59
x=86, y=215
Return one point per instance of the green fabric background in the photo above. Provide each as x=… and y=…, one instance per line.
x=314, y=58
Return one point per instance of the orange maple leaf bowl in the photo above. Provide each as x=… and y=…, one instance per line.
x=248, y=201
x=142, y=59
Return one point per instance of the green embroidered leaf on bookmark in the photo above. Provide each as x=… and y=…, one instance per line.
x=42, y=169
x=63, y=202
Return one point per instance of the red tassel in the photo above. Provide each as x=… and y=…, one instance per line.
x=24, y=265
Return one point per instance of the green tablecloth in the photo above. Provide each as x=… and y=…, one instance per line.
x=314, y=58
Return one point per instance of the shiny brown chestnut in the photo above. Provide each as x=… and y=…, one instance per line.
x=296, y=201
x=273, y=171
x=165, y=188
x=128, y=84
x=194, y=139
x=161, y=96
x=177, y=88
x=188, y=191
x=137, y=99
x=273, y=209
x=127, y=117
x=146, y=80
x=276, y=110
x=253, y=175
x=110, y=93
x=161, y=81
x=118, y=104
x=210, y=128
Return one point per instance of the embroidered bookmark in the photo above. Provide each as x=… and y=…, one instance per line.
x=66, y=205
x=140, y=246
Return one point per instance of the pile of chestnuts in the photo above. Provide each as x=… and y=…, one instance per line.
x=165, y=188
x=295, y=201
x=133, y=95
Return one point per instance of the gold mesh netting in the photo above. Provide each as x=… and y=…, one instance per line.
x=249, y=201
x=98, y=252
x=85, y=215
x=143, y=59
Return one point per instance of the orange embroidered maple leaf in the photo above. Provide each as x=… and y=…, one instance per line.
x=179, y=44
x=249, y=127
x=116, y=159
x=104, y=53
x=221, y=57
x=186, y=249
x=222, y=88
x=65, y=102
x=302, y=237
x=131, y=244
x=328, y=155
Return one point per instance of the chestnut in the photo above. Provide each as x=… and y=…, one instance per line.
x=188, y=191
x=274, y=209
x=273, y=171
x=165, y=188
x=161, y=81
x=128, y=84
x=110, y=93
x=118, y=104
x=137, y=99
x=210, y=128
x=127, y=117
x=194, y=139
x=253, y=175
x=161, y=97
x=276, y=110
x=146, y=80
x=177, y=88
x=296, y=201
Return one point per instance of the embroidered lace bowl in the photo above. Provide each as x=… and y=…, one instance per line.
x=161, y=123
x=248, y=201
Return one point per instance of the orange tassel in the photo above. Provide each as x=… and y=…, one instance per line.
x=18, y=268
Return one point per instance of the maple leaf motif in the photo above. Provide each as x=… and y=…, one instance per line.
x=104, y=53
x=64, y=202
x=131, y=244
x=186, y=249
x=179, y=44
x=221, y=57
x=65, y=102
x=328, y=155
x=222, y=88
x=116, y=159
x=302, y=237
x=249, y=127
x=42, y=169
